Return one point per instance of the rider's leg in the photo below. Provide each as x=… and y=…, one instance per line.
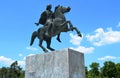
x=48, y=28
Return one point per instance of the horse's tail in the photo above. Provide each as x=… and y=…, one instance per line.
x=34, y=35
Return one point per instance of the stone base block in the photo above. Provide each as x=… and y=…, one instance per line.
x=65, y=63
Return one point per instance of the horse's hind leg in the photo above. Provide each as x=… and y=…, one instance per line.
x=48, y=41
x=43, y=48
x=58, y=37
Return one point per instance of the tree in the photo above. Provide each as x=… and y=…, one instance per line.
x=14, y=71
x=109, y=69
x=118, y=70
x=86, y=71
x=94, y=69
x=3, y=72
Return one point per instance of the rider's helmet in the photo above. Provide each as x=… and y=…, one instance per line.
x=49, y=6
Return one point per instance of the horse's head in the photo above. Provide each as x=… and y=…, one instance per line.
x=62, y=9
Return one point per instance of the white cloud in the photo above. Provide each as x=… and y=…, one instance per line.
x=75, y=39
x=21, y=63
x=108, y=58
x=8, y=61
x=31, y=48
x=84, y=49
x=102, y=37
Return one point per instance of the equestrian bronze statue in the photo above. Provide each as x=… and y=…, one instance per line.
x=52, y=28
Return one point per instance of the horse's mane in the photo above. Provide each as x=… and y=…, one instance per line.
x=56, y=8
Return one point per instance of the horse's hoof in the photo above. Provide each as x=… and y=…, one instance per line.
x=59, y=40
x=80, y=35
x=52, y=49
x=46, y=51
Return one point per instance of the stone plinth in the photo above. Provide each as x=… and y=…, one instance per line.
x=65, y=63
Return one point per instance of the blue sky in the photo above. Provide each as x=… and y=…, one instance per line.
x=98, y=21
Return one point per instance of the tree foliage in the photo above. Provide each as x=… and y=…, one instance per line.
x=94, y=71
x=117, y=70
x=86, y=71
x=108, y=70
x=14, y=71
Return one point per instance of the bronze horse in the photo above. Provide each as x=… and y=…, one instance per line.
x=58, y=25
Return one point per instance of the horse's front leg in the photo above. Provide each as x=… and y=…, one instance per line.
x=70, y=24
x=78, y=32
x=67, y=22
x=74, y=28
